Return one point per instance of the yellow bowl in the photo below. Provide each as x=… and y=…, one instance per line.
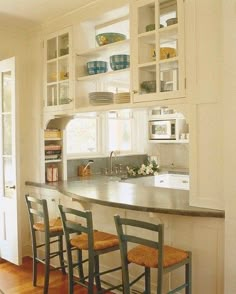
x=108, y=38
x=167, y=52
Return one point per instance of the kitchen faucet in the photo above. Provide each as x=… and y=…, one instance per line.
x=115, y=153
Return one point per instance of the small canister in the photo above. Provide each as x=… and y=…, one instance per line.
x=52, y=174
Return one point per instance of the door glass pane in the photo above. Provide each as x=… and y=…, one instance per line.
x=6, y=92
x=51, y=48
x=7, y=134
x=64, y=93
x=52, y=95
x=8, y=177
x=63, y=44
x=169, y=76
x=168, y=12
x=146, y=18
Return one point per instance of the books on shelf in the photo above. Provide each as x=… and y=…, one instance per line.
x=52, y=152
x=52, y=147
x=52, y=134
x=53, y=157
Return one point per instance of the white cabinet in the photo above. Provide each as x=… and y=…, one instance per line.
x=206, y=156
x=204, y=39
x=203, y=69
x=58, y=94
x=158, y=67
x=104, y=78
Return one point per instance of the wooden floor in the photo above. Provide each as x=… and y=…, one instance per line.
x=18, y=279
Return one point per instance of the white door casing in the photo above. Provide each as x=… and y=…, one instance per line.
x=9, y=231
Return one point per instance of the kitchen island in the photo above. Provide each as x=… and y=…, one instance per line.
x=192, y=228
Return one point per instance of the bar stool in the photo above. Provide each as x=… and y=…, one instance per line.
x=150, y=254
x=53, y=233
x=94, y=242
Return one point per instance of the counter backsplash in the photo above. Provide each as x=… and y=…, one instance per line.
x=103, y=162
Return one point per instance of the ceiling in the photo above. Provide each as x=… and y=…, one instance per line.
x=30, y=13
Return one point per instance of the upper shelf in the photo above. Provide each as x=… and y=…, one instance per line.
x=122, y=72
x=109, y=49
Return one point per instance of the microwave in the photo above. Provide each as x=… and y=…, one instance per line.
x=162, y=129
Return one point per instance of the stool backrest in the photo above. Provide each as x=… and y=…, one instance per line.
x=122, y=225
x=38, y=212
x=77, y=222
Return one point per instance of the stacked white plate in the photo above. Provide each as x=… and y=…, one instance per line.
x=122, y=97
x=100, y=98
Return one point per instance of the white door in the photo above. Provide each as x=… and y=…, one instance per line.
x=9, y=237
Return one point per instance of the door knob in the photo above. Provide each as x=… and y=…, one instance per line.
x=10, y=187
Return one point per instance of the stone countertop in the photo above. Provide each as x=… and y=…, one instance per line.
x=108, y=191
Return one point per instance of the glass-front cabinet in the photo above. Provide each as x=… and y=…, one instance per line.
x=157, y=50
x=58, y=92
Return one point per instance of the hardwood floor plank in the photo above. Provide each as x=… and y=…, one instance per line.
x=18, y=279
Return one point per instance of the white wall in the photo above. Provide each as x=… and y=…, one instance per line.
x=229, y=111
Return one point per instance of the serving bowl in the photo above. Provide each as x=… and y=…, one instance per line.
x=108, y=38
x=167, y=52
x=119, y=61
x=171, y=21
x=96, y=67
x=152, y=26
x=148, y=86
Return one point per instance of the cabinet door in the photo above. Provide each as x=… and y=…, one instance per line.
x=206, y=158
x=58, y=71
x=203, y=37
x=157, y=50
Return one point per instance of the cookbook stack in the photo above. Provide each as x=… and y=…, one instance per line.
x=52, y=152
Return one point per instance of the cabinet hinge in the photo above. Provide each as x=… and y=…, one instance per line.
x=185, y=83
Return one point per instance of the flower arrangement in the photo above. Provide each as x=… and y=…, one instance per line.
x=151, y=168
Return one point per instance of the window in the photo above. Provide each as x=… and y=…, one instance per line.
x=82, y=135
x=120, y=130
x=91, y=134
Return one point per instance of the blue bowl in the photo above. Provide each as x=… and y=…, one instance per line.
x=96, y=67
x=120, y=61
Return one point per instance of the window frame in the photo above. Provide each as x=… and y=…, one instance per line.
x=138, y=133
x=99, y=139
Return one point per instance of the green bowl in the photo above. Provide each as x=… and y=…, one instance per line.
x=108, y=38
x=150, y=27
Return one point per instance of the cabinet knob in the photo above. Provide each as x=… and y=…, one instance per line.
x=135, y=91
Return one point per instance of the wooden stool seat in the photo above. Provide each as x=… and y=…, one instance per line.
x=55, y=225
x=148, y=257
x=102, y=240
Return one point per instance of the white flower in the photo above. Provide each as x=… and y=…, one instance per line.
x=150, y=169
